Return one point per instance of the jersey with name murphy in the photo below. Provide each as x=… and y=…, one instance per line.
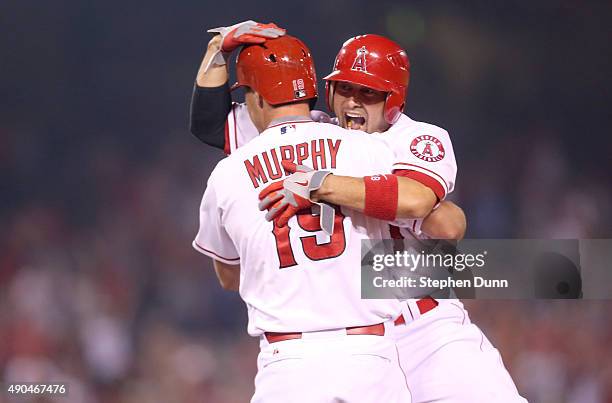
x=296, y=278
x=423, y=149
x=420, y=147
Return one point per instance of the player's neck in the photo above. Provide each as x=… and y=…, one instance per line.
x=289, y=112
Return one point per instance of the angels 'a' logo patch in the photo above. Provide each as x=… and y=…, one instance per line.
x=359, y=64
x=428, y=148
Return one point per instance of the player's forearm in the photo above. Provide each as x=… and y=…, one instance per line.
x=346, y=191
x=210, y=101
x=216, y=75
x=208, y=112
x=446, y=222
x=414, y=200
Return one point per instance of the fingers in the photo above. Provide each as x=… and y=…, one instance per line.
x=231, y=43
x=289, y=166
x=250, y=39
x=273, y=187
x=270, y=30
x=242, y=29
x=272, y=26
x=292, y=167
x=282, y=211
x=276, y=210
x=304, y=168
x=246, y=32
x=269, y=200
x=266, y=31
x=284, y=216
x=225, y=30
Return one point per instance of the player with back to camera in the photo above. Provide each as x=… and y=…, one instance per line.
x=367, y=92
x=319, y=342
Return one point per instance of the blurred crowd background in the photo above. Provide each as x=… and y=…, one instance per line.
x=101, y=182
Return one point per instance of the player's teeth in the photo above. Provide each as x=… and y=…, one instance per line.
x=354, y=121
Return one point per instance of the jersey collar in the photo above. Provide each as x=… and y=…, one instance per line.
x=289, y=119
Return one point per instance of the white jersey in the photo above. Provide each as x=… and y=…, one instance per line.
x=239, y=128
x=297, y=278
x=423, y=152
x=427, y=151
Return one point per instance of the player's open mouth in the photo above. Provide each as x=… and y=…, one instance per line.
x=354, y=121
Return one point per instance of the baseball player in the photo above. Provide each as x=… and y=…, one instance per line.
x=215, y=120
x=435, y=337
x=444, y=356
x=319, y=341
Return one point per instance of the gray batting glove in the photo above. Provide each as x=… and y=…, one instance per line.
x=286, y=198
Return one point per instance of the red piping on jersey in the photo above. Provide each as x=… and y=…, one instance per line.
x=425, y=169
x=290, y=123
x=424, y=179
x=410, y=310
x=216, y=254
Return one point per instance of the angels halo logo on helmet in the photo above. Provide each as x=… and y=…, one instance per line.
x=360, y=63
x=375, y=62
x=281, y=70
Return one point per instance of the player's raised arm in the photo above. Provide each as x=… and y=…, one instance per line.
x=211, y=101
x=213, y=71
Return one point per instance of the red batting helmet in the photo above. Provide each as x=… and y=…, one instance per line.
x=281, y=70
x=374, y=62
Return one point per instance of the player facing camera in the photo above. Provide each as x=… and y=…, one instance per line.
x=367, y=88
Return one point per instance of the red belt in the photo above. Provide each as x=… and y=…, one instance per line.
x=371, y=330
x=425, y=305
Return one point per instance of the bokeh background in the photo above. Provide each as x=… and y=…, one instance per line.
x=101, y=181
